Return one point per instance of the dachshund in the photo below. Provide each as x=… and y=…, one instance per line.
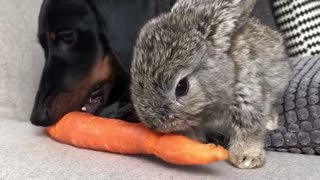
x=88, y=48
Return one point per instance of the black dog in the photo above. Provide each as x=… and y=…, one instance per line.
x=88, y=47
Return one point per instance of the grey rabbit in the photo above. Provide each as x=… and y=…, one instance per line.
x=208, y=65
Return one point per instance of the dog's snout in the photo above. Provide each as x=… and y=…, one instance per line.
x=40, y=117
x=44, y=115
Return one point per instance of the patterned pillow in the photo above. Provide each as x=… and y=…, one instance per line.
x=299, y=120
x=299, y=21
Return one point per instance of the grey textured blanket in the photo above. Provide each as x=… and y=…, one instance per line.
x=299, y=121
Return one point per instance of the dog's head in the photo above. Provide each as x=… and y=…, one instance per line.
x=86, y=44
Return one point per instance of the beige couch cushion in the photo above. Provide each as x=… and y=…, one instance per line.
x=25, y=153
x=21, y=58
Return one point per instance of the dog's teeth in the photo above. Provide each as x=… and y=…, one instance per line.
x=84, y=109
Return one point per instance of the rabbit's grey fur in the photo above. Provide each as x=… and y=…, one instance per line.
x=236, y=68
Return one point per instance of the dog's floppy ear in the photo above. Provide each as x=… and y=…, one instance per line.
x=41, y=25
x=121, y=22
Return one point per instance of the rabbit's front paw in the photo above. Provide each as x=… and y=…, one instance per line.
x=272, y=124
x=247, y=159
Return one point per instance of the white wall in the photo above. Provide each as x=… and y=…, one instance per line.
x=21, y=58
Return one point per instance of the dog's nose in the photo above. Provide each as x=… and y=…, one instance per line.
x=41, y=118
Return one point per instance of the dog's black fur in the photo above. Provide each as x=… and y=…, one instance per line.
x=87, y=43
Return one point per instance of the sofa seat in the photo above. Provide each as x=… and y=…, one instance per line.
x=27, y=153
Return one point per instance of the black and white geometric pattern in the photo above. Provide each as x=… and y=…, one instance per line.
x=299, y=21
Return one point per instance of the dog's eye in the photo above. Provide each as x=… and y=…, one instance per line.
x=67, y=37
x=182, y=87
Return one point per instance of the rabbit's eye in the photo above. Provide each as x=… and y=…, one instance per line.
x=182, y=87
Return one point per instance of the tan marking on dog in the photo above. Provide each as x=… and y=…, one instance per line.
x=66, y=102
x=52, y=36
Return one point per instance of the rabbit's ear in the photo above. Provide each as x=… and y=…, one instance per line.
x=227, y=16
x=244, y=9
x=217, y=20
x=234, y=11
x=240, y=11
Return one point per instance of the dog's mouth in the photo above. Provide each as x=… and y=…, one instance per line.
x=94, y=100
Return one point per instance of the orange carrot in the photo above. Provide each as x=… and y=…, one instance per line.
x=91, y=132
